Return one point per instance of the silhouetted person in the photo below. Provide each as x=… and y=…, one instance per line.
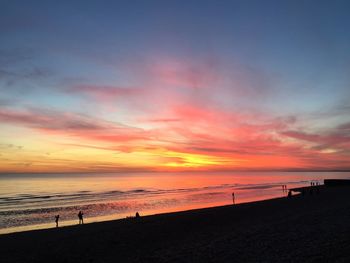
x=137, y=215
x=284, y=188
x=233, y=198
x=81, y=219
x=290, y=193
x=56, y=219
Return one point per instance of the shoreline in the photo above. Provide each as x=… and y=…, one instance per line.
x=122, y=216
x=299, y=229
x=109, y=218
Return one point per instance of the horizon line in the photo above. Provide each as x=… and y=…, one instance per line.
x=185, y=171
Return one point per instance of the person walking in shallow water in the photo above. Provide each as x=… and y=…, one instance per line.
x=233, y=198
x=81, y=219
x=57, y=217
x=284, y=188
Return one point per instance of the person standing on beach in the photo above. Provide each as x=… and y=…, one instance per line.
x=284, y=188
x=57, y=217
x=81, y=219
x=233, y=198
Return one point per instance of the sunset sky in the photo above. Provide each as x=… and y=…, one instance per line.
x=90, y=86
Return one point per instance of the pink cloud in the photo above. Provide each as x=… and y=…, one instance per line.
x=183, y=73
x=164, y=82
x=104, y=92
x=337, y=136
x=72, y=124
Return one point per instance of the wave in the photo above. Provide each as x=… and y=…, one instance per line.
x=45, y=200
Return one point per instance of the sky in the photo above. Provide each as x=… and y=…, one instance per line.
x=116, y=86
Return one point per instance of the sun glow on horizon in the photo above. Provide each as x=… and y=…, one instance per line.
x=198, y=160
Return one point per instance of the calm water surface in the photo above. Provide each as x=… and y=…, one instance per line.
x=30, y=201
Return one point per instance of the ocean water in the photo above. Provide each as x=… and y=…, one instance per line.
x=31, y=201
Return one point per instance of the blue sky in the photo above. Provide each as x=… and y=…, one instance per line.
x=129, y=61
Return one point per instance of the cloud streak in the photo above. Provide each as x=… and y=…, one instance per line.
x=84, y=127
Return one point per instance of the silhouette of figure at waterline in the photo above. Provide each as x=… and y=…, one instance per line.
x=57, y=217
x=81, y=219
x=137, y=215
x=233, y=198
x=284, y=188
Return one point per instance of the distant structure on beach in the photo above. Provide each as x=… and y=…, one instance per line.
x=336, y=182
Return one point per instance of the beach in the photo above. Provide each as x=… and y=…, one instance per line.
x=303, y=228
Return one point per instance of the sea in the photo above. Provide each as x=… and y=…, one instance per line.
x=31, y=201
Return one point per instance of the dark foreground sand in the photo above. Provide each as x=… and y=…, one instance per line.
x=299, y=229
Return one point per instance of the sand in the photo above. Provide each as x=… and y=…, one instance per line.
x=310, y=228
